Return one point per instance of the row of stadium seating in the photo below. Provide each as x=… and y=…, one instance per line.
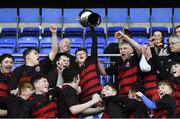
x=13, y=40
x=36, y=15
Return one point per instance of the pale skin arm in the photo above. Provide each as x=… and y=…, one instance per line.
x=83, y=107
x=3, y=112
x=101, y=68
x=137, y=46
x=54, y=46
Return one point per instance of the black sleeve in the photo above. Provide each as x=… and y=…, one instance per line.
x=13, y=109
x=25, y=111
x=54, y=92
x=52, y=78
x=15, y=78
x=129, y=103
x=166, y=102
x=112, y=48
x=116, y=99
x=157, y=62
x=70, y=97
x=94, y=44
x=112, y=70
x=45, y=65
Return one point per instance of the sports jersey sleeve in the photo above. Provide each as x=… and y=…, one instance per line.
x=94, y=44
x=166, y=102
x=15, y=78
x=45, y=65
x=112, y=70
x=70, y=97
x=25, y=111
x=150, y=104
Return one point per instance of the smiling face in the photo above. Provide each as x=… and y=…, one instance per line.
x=41, y=86
x=157, y=37
x=108, y=91
x=81, y=56
x=125, y=51
x=63, y=62
x=174, y=44
x=175, y=70
x=6, y=65
x=64, y=45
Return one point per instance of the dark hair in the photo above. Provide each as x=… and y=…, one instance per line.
x=3, y=56
x=69, y=74
x=28, y=50
x=161, y=34
x=81, y=49
x=178, y=26
x=37, y=77
x=110, y=85
x=58, y=56
x=174, y=61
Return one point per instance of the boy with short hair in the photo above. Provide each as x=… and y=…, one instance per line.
x=112, y=109
x=69, y=106
x=33, y=64
x=165, y=105
x=40, y=104
x=175, y=71
x=62, y=61
x=16, y=103
x=6, y=65
x=132, y=105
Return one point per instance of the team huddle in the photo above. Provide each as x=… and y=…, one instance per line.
x=147, y=83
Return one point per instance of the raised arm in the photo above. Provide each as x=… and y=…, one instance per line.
x=54, y=46
x=150, y=104
x=136, y=46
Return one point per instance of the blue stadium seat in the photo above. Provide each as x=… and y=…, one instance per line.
x=46, y=41
x=75, y=35
x=140, y=39
x=176, y=15
x=101, y=12
x=172, y=31
x=161, y=15
x=25, y=42
x=110, y=34
x=162, y=29
x=139, y=15
x=73, y=49
x=51, y=15
x=47, y=32
x=138, y=31
x=29, y=15
x=70, y=15
x=45, y=44
x=117, y=15
x=8, y=15
x=6, y=49
x=100, y=37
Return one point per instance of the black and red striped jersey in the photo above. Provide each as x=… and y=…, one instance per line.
x=126, y=74
x=39, y=106
x=89, y=74
x=150, y=81
x=67, y=98
x=4, y=88
x=24, y=72
x=176, y=94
